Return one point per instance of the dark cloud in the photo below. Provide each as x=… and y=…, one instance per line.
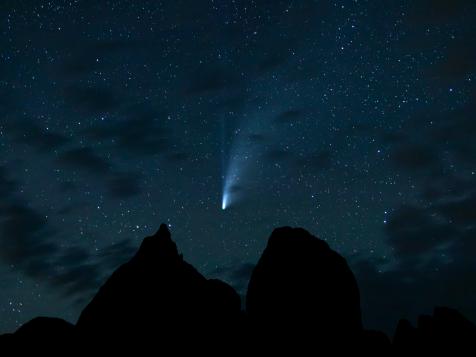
x=26, y=131
x=415, y=231
x=233, y=102
x=97, y=100
x=439, y=11
x=178, y=157
x=121, y=185
x=459, y=62
x=24, y=234
x=118, y=184
x=289, y=116
x=460, y=211
x=118, y=253
x=112, y=47
x=71, y=208
x=414, y=157
x=81, y=64
x=7, y=185
x=77, y=279
x=315, y=162
x=278, y=155
x=85, y=159
x=392, y=137
x=266, y=55
x=73, y=256
x=388, y=296
x=67, y=186
x=28, y=243
x=306, y=163
x=271, y=61
x=31, y=245
x=431, y=236
x=93, y=56
x=23, y=231
x=430, y=142
x=257, y=138
x=142, y=134
x=38, y=268
x=8, y=103
x=432, y=239
x=236, y=188
x=30, y=133
x=406, y=292
x=210, y=79
x=456, y=132
x=433, y=256
x=77, y=273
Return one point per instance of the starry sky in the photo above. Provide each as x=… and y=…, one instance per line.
x=353, y=119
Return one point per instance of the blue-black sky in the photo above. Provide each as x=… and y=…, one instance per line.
x=353, y=119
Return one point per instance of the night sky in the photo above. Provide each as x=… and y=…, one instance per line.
x=225, y=119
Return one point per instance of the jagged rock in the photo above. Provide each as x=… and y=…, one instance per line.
x=302, y=298
x=405, y=335
x=45, y=328
x=374, y=343
x=302, y=290
x=40, y=334
x=445, y=330
x=158, y=296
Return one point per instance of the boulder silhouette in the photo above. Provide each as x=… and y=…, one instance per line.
x=46, y=328
x=405, y=337
x=375, y=343
x=303, y=292
x=302, y=298
x=39, y=334
x=158, y=297
x=445, y=330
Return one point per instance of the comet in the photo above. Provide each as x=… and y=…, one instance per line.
x=224, y=201
x=231, y=184
x=237, y=164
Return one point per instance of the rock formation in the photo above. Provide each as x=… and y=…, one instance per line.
x=302, y=298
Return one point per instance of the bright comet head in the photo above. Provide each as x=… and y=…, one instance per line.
x=224, y=201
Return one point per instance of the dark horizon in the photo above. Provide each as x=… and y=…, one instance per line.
x=301, y=297
x=227, y=119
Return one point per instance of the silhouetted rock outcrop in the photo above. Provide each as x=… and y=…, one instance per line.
x=41, y=333
x=405, y=335
x=160, y=297
x=302, y=298
x=302, y=290
x=374, y=343
x=46, y=328
x=446, y=330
